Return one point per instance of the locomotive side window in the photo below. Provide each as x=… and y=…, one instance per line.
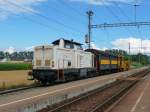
x=69, y=63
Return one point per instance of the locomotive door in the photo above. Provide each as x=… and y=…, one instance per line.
x=97, y=63
x=60, y=74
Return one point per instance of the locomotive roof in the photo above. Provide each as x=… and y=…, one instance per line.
x=66, y=41
x=101, y=52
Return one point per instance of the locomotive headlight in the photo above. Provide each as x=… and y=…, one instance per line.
x=53, y=64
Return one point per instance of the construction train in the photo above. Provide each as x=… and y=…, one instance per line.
x=65, y=60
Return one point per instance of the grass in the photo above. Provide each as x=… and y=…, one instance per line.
x=15, y=66
x=137, y=65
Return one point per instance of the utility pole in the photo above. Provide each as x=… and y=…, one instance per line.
x=129, y=52
x=129, y=48
x=140, y=51
x=135, y=10
x=90, y=14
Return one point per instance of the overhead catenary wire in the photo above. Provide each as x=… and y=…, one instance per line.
x=140, y=34
x=69, y=16
x=72, y=8
x=37, y=22
x=75, y=10
x=44, y=17
x=106, y=32
x=95, y=15
x=138, y=27
x=121, y=10
x=115, y=16
x=44, y=25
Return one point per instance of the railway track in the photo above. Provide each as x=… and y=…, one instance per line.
x=2, y=92
x=98, y=100
x=35, y=85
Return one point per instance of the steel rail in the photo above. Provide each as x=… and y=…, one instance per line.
x=2, y=92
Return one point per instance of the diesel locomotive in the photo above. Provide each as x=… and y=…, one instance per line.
x=65, y=60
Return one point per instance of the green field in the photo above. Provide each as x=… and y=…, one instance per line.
x=137, y=65
x=15, y=66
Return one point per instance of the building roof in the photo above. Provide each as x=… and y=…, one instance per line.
x=67, y=41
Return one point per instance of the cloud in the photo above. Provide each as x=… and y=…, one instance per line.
x=94, y=46
x=29, y=48
x=13, y=7
x=10, y=50
x=102, y=2
x=135, y=44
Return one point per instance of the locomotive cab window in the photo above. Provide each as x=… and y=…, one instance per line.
x=78, y=47
x=67, y=46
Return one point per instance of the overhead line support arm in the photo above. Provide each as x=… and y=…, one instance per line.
x=106, y=25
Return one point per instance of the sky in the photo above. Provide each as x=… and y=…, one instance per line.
x=28, y=23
